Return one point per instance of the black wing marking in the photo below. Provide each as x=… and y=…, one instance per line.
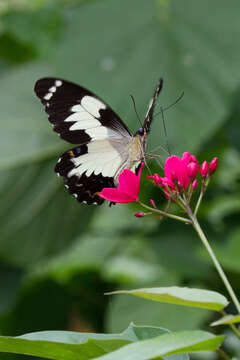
x=77, y=114
x=84, y=188
x=149, y=115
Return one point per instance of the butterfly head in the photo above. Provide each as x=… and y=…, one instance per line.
x=140, y=131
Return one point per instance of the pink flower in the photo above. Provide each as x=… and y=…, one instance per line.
x=127, y=190
x=213, y=166
x=176, y=171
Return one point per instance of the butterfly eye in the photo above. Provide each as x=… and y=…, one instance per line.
x=140, y=131
x=77, y=151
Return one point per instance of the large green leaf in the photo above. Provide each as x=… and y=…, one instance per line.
x=113, y=61
x=201, y=298
x=161, y=39
x=174, y=343
x=25, y=135
x=67, y=345
x=228, y=252
x=38, y=217
x=123, y=309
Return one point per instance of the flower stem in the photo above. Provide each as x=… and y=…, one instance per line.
x=223, y=355
x=203, y=189
x=198, y=202
x=221, y=273
x=160, y=212
x=232, y=326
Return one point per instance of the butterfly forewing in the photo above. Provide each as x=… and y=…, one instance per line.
x=149, y=115
x=78, y=115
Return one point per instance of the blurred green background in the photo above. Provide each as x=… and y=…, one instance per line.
x=57, y=257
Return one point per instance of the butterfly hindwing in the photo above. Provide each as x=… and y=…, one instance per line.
x=84, y=187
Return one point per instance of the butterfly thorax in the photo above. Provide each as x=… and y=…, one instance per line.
x=136, y=150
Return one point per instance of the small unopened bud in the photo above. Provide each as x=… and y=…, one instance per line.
x=192, y=169
x=194, y=184
x=204, y=169
x=152, y=202
x=213, y=166
x=156, y=178
x=139, y=214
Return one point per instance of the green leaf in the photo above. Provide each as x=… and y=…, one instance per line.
x=228, y=252
x=62, y=345
x=178, y=45
x=38, y=217
x=24, y=119
x=25, y=27
x=204, y=299
x=228, y=319
x=104, y=67
x=123, y=309
x=174, y=343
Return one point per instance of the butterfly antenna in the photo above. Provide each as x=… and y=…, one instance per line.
x=165, y=130
x=135, y=108
x=175, y=102
x=171, y=105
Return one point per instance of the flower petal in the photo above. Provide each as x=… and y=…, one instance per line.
x=114, y=195
x=186, y=157
x=176, y=170
x=129, y=182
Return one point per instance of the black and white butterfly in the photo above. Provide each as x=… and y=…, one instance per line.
x=105, y=146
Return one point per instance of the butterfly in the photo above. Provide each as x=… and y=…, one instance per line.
x=105, y=146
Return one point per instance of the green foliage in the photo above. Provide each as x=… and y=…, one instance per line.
x=59, y=257
x=144, y=343
x=204, y=299
x=228, y=319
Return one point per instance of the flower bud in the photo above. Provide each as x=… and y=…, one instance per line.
x=213, y=166
x=152, y=202
x=139, y=214
x=194, y=184
x=192, y=169
x=204, y=169
x=156, y=178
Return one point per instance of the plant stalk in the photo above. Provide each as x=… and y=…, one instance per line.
x=223, y=355
x=163, y=213
x=218, y=267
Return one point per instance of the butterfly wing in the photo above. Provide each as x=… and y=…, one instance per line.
x=80, y=117
x=149, y=115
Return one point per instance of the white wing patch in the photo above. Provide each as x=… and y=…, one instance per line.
x=52, y=90
x=85, y=124
x=102, y=157
x=85, y=117
x=92, y=105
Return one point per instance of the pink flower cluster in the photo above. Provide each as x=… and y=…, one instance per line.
x=179, y=173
